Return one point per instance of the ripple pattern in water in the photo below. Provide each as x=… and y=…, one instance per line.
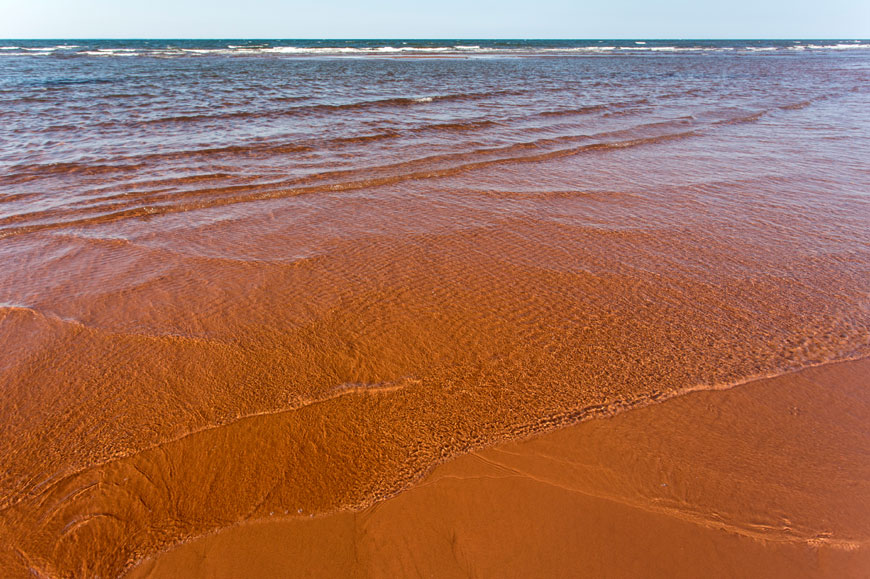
x=241, y=281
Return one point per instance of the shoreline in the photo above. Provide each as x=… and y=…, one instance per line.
x=453, y=482
x=363, y=322
x=523, y=433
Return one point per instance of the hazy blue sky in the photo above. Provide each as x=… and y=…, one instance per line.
x=437, y=19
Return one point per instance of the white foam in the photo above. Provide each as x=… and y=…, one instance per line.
x=658, y=48
x=208, y=51
x=49, y=48
x=110, y=52
x=328, y=50
x=386, y=50
x=840, y=46
x=577, y=49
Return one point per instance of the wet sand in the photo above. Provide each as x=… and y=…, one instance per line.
x=226, y=298
x=768, y=479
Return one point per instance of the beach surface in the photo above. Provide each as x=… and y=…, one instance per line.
x=768, y=479
x=262, y=287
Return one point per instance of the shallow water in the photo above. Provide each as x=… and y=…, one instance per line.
x=241, y=280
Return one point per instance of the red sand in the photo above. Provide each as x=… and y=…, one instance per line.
x=248, y=300
x=770, y=479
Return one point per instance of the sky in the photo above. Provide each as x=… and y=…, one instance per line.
x=439, y=19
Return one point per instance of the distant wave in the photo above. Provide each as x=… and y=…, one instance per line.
x=394, y=49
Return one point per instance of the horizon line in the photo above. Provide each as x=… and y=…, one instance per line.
x=525, y=39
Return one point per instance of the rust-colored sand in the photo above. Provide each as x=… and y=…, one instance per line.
x=770, y=479
x=238, y=290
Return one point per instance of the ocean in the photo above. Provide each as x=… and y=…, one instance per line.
x=305, y=272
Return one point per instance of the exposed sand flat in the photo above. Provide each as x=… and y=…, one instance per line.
x=770, y=479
